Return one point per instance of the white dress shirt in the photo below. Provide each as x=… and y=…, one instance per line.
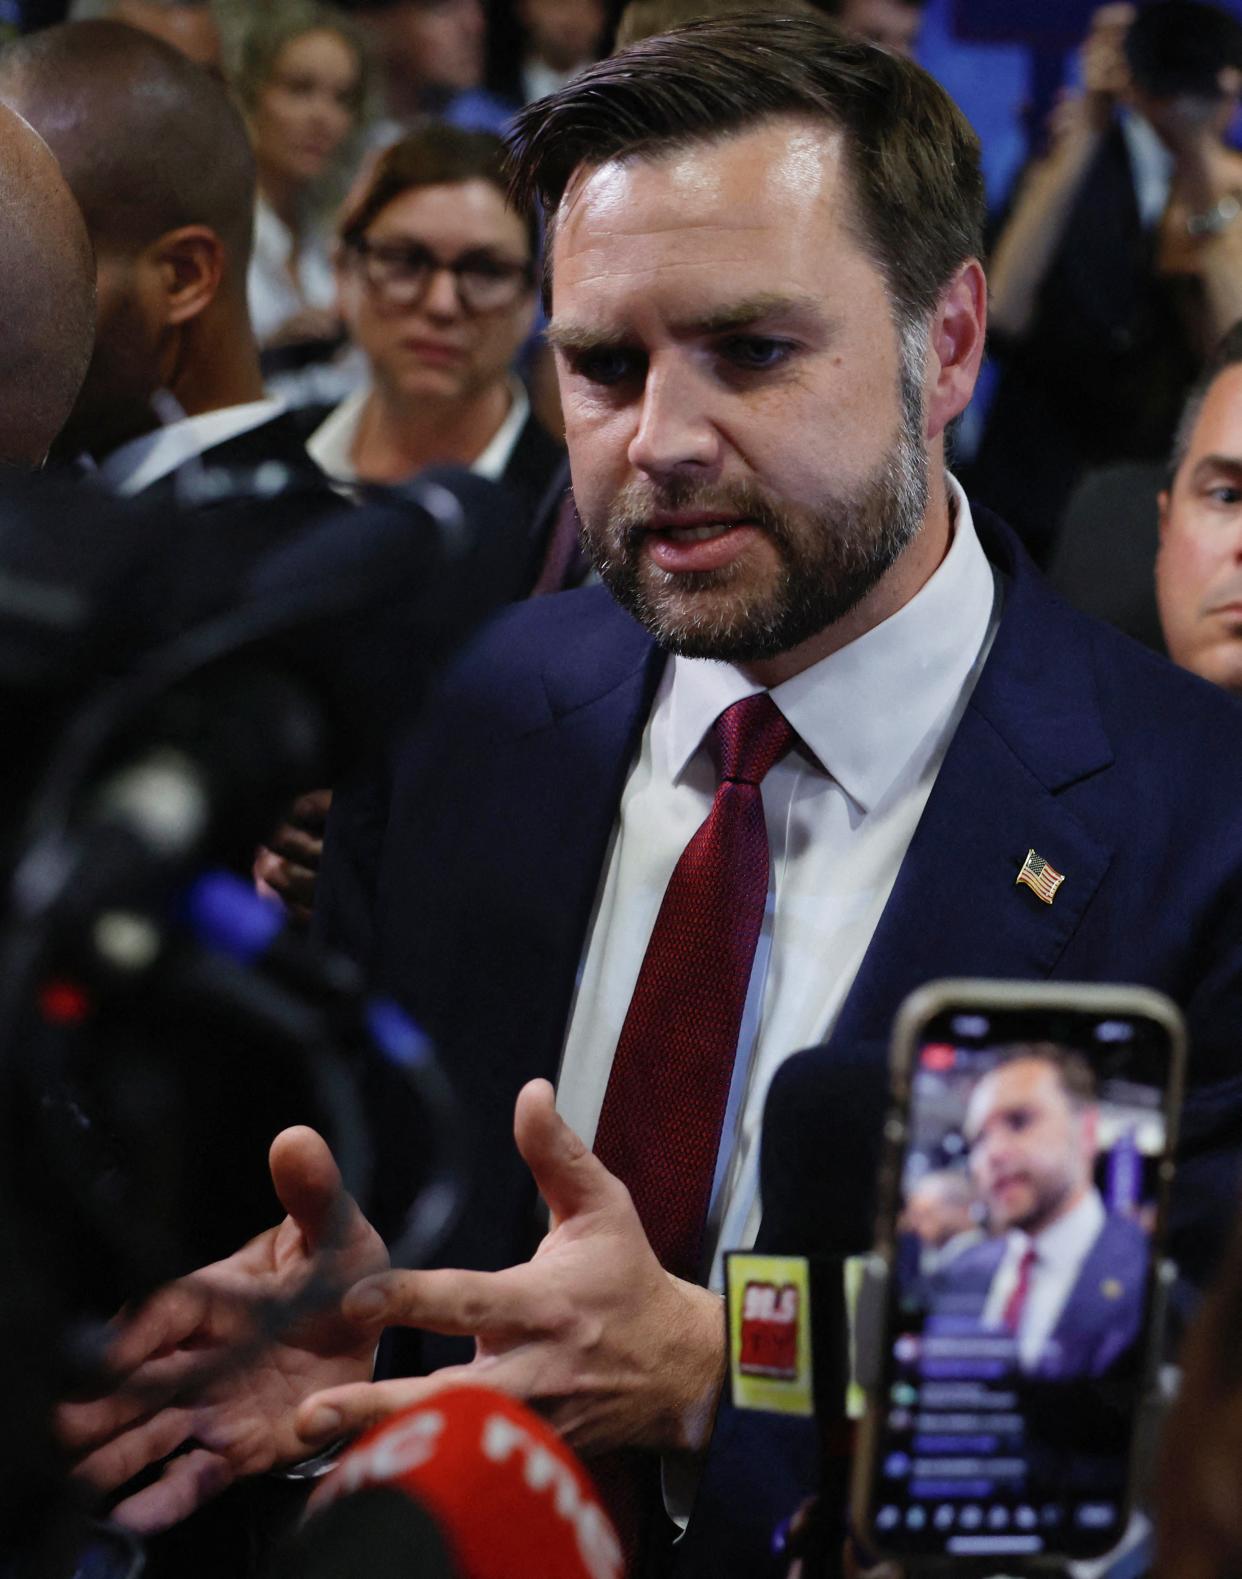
x=539, y=79
x=285, y=277
x=875, y=720
x=1059, y=1254
x=331, y=445
x=143, y=461
x=1151, y=166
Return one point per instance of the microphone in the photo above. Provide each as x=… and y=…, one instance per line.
x=509, y=1499
x=290, y=662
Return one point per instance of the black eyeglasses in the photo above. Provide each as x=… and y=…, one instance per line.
x=402, y=273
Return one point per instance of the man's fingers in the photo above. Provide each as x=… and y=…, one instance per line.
x=188, y=1482
x=459, y=1304
x=311, y=810
x=133, y=1450
x=297, y=846
x=347, y=1411
x=571, y=1179
x=167, y=1318
x=293, y=885
x=82, y=1427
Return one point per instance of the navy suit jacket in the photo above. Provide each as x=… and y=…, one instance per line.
x=1101, y=1319
x=480, y=875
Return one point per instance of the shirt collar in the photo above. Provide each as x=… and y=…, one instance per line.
x=1068, y=1239
x=881, y=705
x=492, y=462
x=331, y=445
x=145, y=460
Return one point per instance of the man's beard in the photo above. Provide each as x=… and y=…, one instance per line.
x=831, y=556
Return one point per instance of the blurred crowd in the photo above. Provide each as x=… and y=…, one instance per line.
x=391, y=316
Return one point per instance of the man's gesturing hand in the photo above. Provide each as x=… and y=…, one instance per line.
x=592, y=1330
x=242, y=1419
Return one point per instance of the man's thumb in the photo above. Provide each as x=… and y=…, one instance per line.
x=307, y=1181
x=571, y=1179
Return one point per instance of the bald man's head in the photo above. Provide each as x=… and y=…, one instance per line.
x=147, y=140
x=47, y=286
x=158, y=158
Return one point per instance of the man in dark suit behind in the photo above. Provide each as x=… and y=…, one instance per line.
x=762, y=335
x=1062, y=1274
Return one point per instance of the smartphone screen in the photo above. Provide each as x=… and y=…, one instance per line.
x=1025, y=1217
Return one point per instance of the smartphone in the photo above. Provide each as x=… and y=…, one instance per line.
x=1008, y=1325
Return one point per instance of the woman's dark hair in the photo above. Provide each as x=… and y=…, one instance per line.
x=1177, y=47
x=911, y=154
x=433, y=155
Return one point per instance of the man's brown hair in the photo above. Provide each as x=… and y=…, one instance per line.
x=1070, y=1067
x=912, y=156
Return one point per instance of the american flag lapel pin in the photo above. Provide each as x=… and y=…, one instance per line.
x=1042, y=879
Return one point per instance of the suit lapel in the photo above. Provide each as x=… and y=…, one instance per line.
x=561, y=772
x=1030, y=732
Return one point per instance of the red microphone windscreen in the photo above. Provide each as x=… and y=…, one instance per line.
x=510, y=1498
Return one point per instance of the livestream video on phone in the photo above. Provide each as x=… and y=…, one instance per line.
x=1023, y=1281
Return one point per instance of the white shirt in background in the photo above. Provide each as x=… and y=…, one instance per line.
x=143, y=461
x=275, y=291
x=331, y=445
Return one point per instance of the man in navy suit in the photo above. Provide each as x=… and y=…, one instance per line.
x=1061, y=1273
x=762, y=335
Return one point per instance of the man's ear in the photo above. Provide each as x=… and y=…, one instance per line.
x=958, y=330
x=190, y=263
x=1162, y=511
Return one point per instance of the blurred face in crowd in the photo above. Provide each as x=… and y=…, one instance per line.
x=749, y=458
x=1199, y=566
x=433, y=334
x=936, y=1213
x=190, y=28
x=307, y=107
x=889, y=23
x=565, y=33
x=438, y=43
x=1032, y=1147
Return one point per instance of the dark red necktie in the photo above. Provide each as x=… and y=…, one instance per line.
x=1011, y=1317
x=659, y=1129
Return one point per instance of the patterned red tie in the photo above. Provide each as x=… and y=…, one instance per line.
x=664, y=1108
x=1011, y=1317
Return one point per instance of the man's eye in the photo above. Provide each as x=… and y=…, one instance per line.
x=1225, y=493
x=606, y=367
x=755, y=352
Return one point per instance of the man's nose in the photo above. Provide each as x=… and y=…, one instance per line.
x=675, y=432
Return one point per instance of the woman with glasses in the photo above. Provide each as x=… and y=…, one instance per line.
x=436, y=278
